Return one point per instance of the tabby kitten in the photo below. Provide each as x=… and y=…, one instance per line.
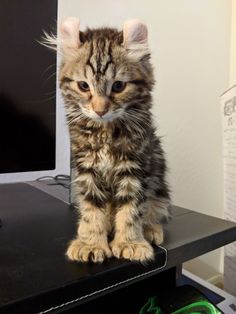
x=106, y=80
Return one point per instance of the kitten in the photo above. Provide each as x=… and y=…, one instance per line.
x=106, y=80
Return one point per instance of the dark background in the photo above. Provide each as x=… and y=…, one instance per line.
x=27, y=86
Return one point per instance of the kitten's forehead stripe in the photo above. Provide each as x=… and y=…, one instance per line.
x=89, y=58
x=100, y=57
x=109, y=60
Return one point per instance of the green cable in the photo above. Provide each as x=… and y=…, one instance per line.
x=151, y=307
x=204, y=304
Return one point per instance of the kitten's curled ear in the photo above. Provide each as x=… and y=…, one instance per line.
x=135, y=38
x=69, y=36
x=68, y=40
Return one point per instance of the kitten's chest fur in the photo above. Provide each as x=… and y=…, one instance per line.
x=103, y=150
x=94, y=149
x=101, y=153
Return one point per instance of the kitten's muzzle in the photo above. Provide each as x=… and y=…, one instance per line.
x=101, y=113
x=100, y=105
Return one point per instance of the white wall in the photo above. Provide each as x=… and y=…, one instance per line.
x=190, y=41
x=232, y=77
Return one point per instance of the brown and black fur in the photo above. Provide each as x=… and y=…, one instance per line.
x=120, y=184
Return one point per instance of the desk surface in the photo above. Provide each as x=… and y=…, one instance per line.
x=36, y=227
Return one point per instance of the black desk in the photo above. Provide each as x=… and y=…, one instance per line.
x=35, y=276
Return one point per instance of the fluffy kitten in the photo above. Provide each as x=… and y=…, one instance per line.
x=106, y=80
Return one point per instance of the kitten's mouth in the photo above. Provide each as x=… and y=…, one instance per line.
x=107, y=117
x=104, y=118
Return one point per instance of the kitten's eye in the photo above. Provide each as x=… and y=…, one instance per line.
x=83, y=86
x=118, y=86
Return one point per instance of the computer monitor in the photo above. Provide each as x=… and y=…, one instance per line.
x=33, y=134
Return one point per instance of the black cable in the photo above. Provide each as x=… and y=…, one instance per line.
x=57, y=180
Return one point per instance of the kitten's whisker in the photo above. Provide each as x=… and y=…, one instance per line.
x=138, y=124
x=140, y=120
x=50, y=93
x=40, y=101
x=53, y=74
x=74, y=119
x=47, y=69
x=136, y=127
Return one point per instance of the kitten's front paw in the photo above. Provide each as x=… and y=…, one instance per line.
x=154, y=233
x=133, y=251
x=81, y=252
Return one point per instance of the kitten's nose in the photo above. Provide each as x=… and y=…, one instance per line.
x=101, y=113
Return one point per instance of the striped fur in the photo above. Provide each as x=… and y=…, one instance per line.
x=120, y=187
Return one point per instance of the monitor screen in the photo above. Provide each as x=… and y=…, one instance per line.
x=27, y=86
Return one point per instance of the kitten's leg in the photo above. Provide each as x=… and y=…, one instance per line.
x=155, y=211
x=154, y=233
x=91, y=242
x=129, y=241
